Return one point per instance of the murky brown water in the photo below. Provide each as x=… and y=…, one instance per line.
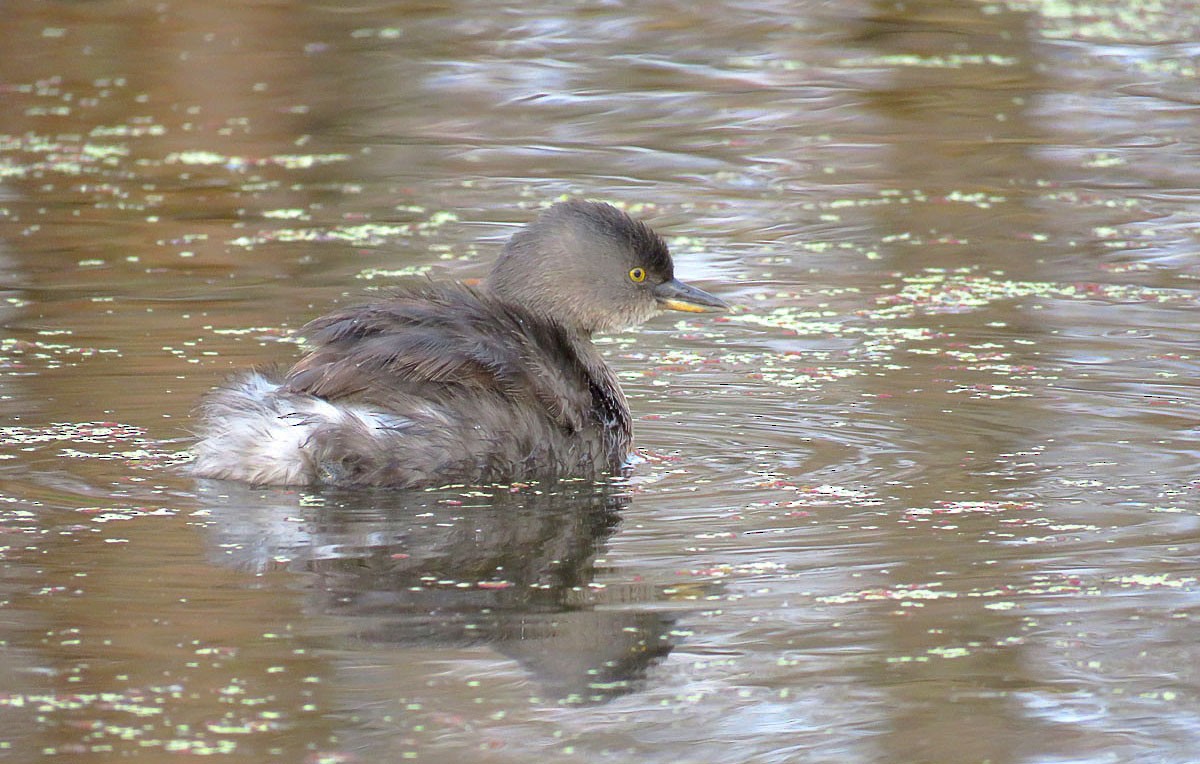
x=929, y=496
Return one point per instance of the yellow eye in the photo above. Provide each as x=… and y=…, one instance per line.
x=637, y=275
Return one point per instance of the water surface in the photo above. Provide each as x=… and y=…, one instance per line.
x=927, y=495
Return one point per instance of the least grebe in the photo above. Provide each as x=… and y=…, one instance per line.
x=445, y=383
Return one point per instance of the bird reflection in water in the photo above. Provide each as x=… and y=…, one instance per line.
x=455, y=568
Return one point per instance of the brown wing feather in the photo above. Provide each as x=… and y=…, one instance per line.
x=443, y=340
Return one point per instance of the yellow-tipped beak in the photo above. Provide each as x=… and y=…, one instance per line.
x=676, y=295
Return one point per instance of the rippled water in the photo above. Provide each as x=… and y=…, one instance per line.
x=927, y=495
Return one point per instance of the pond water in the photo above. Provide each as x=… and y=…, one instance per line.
x=928, y=494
